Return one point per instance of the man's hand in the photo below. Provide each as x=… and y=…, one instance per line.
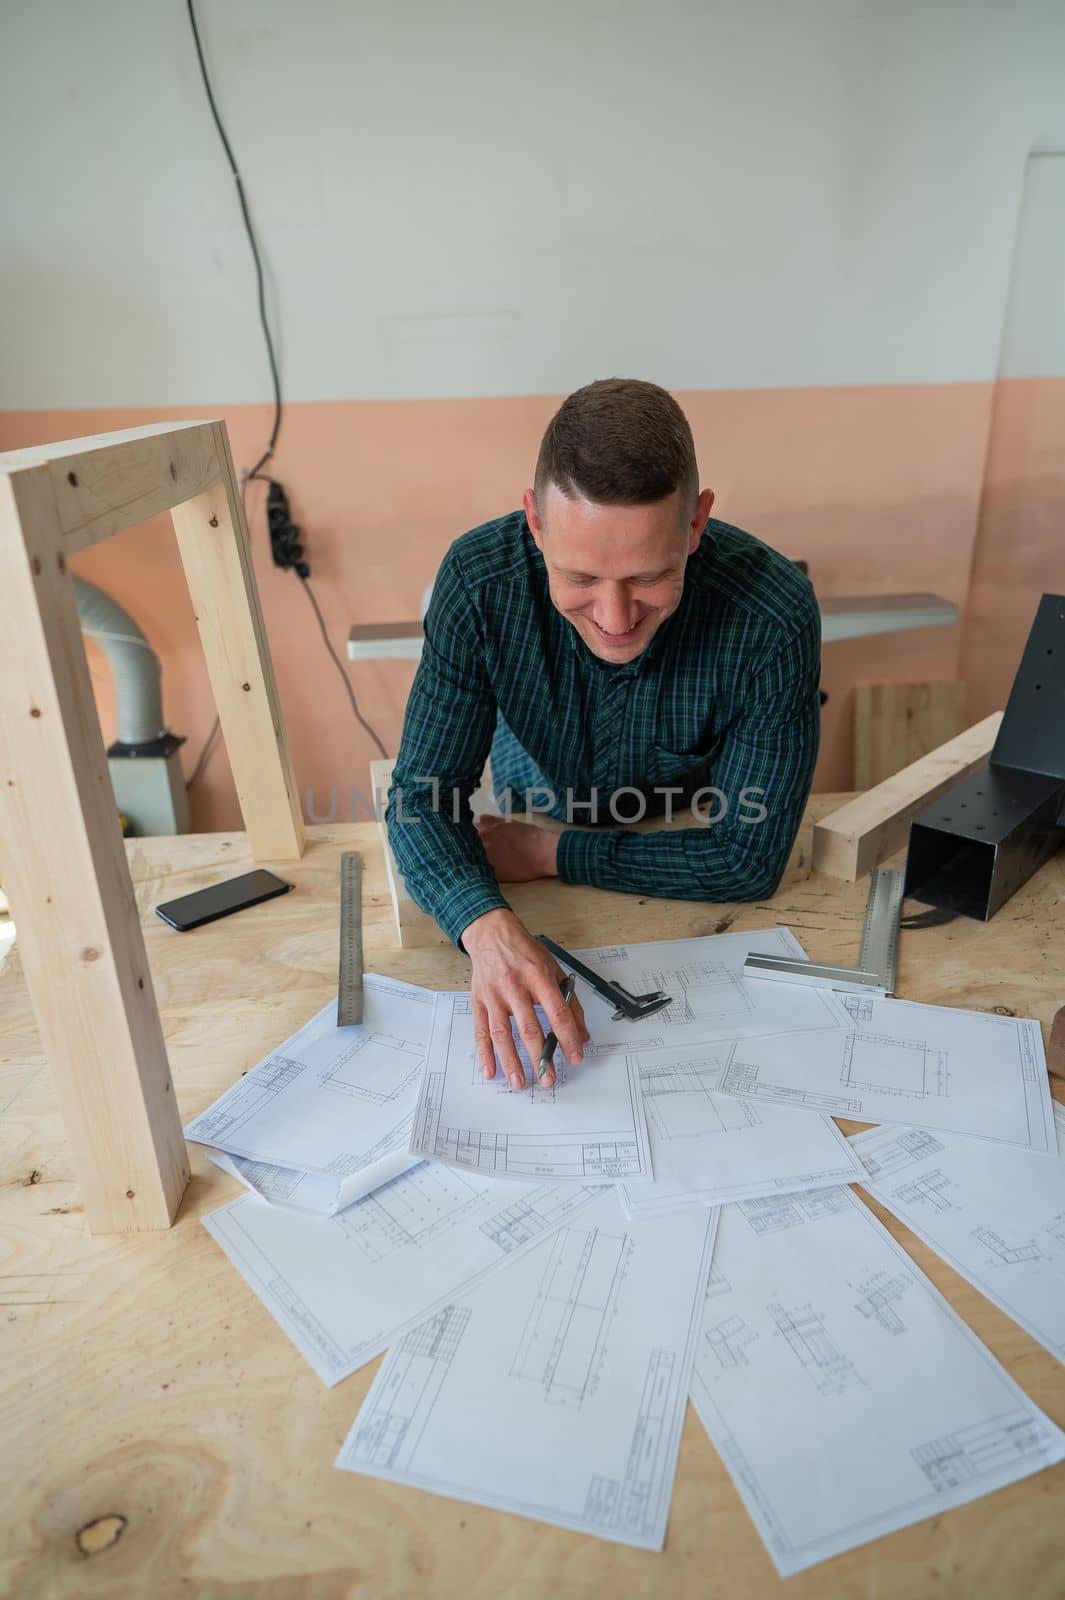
x=512, y=972
x=518, y=851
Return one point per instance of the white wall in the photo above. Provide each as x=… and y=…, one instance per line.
x=1033, y=339
x=498, y=198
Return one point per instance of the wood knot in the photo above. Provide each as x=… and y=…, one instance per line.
x=32, y=1178
x=173, y=470
x=60, y=562
x=72, y=479
x=246, y=687
x=130, y=1193
x=35, y=711
x=36, y=565
x=90, y=953
x=100, y=1534
x=1003, y=1011
x=213, y=522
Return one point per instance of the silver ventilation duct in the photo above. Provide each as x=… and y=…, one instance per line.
x=145, y=768
x=134, y=664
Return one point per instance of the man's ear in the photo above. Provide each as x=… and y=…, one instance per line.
x=700, y=517
x=528, y=500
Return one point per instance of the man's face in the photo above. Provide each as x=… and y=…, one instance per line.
x=615, y=572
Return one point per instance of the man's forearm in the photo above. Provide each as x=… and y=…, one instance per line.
x=685, y=864
x=442, y=861
x=447, y=733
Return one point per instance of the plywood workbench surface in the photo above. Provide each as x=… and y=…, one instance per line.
x=149, y=1399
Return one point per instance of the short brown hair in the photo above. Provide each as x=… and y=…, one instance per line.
x=618, y=442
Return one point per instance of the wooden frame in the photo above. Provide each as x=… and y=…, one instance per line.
x=64, y=862
x=853, y=840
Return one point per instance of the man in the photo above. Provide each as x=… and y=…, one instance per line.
x=618, y=652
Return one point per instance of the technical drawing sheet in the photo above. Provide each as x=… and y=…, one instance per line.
x=556, y=1389
x=344, y=1287
x=326, y=1117
x=587, y=1128
x=318, y=1193
x=709, y=1148
x=712, y=999
x=842, y=1392
x=967, y=1072
x=998, y=1216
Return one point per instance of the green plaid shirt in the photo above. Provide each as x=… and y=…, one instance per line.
x=725, y=695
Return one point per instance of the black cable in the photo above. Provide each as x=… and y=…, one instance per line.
x=359, y=718
x=264, y=458
x=205, y=751
x=201, y=759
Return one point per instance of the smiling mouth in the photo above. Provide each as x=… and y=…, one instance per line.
x=617, y=638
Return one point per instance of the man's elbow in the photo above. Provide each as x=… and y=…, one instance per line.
x=753, y=884
x=760, y=856
x=763, y=885
x=748, y=875
x=400, y=822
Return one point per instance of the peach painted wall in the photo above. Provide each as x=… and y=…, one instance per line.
x=1020, y=546
x=877, y=488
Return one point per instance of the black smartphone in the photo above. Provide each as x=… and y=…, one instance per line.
x=221, y=898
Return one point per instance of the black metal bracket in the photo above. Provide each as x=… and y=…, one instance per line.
x=975, y=846
x=164, y=745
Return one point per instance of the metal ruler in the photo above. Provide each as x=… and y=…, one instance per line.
x=349, y=985
x=875, y=972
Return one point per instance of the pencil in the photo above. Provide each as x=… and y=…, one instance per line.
x=567, y=985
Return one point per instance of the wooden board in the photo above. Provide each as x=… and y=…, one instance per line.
x=856, y=838
x=1056, y=1045
x=145, y=1390
x=101, y=484
x=897, y=723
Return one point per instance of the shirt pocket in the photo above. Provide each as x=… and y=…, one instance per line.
x=668, y=765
